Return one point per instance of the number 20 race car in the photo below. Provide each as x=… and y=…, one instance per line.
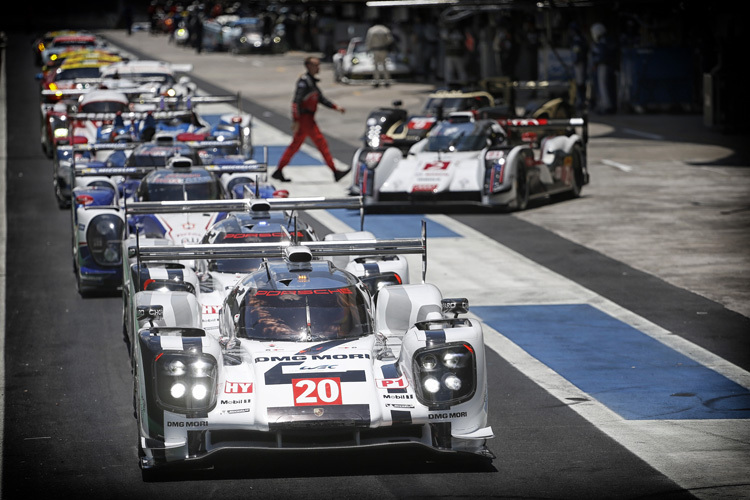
x=307, y=356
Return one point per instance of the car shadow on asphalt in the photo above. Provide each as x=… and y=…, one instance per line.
x=243, y=464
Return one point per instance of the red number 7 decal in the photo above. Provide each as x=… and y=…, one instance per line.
x=316, y=391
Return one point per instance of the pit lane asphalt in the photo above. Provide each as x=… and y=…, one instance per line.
x=68, y=426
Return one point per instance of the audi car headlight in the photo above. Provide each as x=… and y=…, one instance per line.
x=186, y=383
x=495, y=174
x=445, y=375
x=104, y=239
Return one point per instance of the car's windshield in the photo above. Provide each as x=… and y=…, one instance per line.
x=179, y=186
x=104, y=107
x=303, y=315
x=152, y=155
x=457, y=103
x=73, y=73
x=449, y=136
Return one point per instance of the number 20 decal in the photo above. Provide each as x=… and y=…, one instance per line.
x=316, y=391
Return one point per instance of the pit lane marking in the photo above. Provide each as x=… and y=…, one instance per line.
x=617, y=165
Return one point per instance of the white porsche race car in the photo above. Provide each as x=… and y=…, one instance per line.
x=356, y=63
x=307, y=357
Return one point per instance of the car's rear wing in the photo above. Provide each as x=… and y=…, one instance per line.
x=191, y=101
x=99, y=146
x=546, y=124
x=133, y=115
x=106, y=171
x=298, y=252
x=252, y=205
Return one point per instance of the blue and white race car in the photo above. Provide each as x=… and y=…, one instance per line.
x=488, y=163
x=306, y=357
x=101, y=194
x=103, y=119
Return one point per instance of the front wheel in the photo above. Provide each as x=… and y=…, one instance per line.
x=576, y=182
x=521, y=187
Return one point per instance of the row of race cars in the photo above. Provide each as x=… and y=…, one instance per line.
x=246, y=331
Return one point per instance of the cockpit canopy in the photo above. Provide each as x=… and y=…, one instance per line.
x=317, y=303
x=158, y=155
x=459, y=135
x=177, y=185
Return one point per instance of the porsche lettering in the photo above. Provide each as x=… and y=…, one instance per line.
x=276, y=293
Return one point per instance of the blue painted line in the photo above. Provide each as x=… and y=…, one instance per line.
x=630, y=372
x=274, y=152
x=394, y=225
x=274, y=155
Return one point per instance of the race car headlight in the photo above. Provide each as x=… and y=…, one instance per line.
x=59, y=133
x=104, y=238
x=495, y=175
x=445, y=375
x=185, y=383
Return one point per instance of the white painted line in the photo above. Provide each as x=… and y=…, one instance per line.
x=621, y=166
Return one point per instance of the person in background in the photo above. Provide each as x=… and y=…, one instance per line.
x=604, y=60
x=307, y=95
x=455, y=57
x=579, y=46
x=378, y=42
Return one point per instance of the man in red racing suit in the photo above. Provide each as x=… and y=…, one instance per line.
x=306, y=99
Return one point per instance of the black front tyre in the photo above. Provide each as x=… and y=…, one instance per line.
x=521, y=185
x=577, y=181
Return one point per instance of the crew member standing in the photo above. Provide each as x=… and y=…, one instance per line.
x=378, y=41
x=306, y=98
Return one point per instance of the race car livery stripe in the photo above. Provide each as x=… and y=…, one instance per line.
x=276, y=375
x=401, y=417
x=392, y=372
x=181, y=307
x=435, y=337
x=193, y=344
x=175, y=274
x=324, y=346
x=171, y=343
x=371, y=268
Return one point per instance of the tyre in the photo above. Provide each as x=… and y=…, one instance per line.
x=521, y=186
x=577, y=181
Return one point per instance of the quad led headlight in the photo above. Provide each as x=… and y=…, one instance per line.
x=104, y=237
x=446, y=374
x=186, y=383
